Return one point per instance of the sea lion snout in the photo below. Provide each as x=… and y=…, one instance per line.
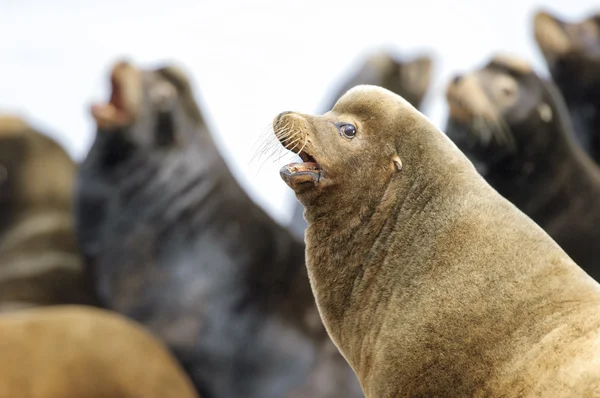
x=125, y=100
x=278, y=119
x=293, y=132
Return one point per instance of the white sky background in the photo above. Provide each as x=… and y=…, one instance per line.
x=249, y=60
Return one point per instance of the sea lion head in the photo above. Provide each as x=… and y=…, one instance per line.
x=351, y=152
x=571, y=50
x=159, y=101
x=35, y=171
x=408, y=78
x=501, y=112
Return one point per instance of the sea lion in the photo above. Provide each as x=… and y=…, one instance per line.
x=514, y=123
x=572, y=53
x=409, y=78
x=39, y=260
x=428, y=281
x=75, y=351
x=186, y=252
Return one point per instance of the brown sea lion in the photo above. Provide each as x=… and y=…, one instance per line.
x=409, y=78
x=82, y=352
x=184, y=250
x=572, y=53
x=39, y=260
x=428, y=281
x=508, y=119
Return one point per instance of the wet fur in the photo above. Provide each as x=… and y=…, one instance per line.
x=77, y=352
x=184, y=250
x=39, y=259
x=548, y=176
x=429, y=282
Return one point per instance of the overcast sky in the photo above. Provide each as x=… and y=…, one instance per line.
x=248, y=60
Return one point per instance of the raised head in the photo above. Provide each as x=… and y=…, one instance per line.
x=502, y=111
x=149, y=108
x=353, y=152
x=571, y=49
x=409, y=78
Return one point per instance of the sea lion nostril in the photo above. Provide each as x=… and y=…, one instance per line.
x=280, y=116
x=456, y=79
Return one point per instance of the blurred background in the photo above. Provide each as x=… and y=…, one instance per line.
x=248, y=60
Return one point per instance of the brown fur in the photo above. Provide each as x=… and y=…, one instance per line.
x=82, y=352
x=428, y=281
x=39, y=260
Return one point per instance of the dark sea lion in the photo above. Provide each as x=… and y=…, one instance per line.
x=408, y=78
x=572, y=53
x=428, y=281
x=514, y=123
x=185, y=251
x=39, y=260
x=82, y=352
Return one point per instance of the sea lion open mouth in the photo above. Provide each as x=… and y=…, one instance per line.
x=122, y=108
x=305, y=174
x=292, y=131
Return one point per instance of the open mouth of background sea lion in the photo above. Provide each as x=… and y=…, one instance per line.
x=123, y=106
x=298, y=176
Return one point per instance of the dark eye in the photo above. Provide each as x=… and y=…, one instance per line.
x=348, y=130
x=507, y=91
x=164, y=128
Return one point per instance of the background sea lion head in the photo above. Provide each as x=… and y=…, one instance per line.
x=407, y=78
x=501, y=112
x=149, y=109
x=35, y=172
x=351, y=152
x=571, y=50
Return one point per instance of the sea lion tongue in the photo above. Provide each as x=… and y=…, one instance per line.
x=125, y=98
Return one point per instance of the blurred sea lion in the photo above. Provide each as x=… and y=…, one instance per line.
x=514, y=125
x=39, y=259
x=409, y=78
x=184, y=250
x=572, y=53
x=82, y=352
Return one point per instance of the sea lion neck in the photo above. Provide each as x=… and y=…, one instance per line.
x=349, y=245
x=583, y=105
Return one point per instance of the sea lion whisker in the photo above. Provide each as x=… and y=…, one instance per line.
x=305, y=142
x=510, y=137
x=267, y=146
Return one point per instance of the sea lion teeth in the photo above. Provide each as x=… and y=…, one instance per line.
x=301, y=175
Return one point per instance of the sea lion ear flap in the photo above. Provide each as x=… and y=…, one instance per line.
x=396, y=162
x=545, y=112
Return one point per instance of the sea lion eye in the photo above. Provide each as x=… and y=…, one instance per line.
x=164, y=129
x=347, y=130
